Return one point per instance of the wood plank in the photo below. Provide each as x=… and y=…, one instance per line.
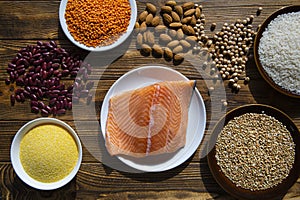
x=93, y=178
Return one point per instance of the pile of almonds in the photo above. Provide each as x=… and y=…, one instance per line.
x=180, y=28
x=171, y=34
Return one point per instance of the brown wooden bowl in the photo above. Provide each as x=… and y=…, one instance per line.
x=263, y=27
x=273, y=193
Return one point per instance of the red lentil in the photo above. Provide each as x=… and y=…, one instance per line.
x=97, y=22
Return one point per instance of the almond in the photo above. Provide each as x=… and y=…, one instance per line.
x=197, y=12
x=142, y=16
x=189, y=12
x=145, y=50
x=178, y=59
x=164, y=38
x=136, y=27
x=191, y=38
x=173, y=44
x=193, y=22
x=171, y=3
x=188, y=5
x=186, y=20
x=139, y=39
x=157, y=51
x=149, y=19
x=175, y=17
x=155, y=21
x=172, y=33
x=166, y=9
x=151, y=8
x=175, y=25
x=185, y=44
x=143, y=27
x=178, y=49
x=167, y=19
x=149, y=38
x=179, y=34
x=188, y=30
x=160, y=29
x=168, y=54
x=179, y=10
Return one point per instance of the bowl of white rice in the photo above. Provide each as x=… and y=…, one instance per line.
x=277, y=50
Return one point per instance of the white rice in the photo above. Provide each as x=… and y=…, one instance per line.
x=279, y=51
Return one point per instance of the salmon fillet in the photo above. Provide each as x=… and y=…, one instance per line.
x=150, y=120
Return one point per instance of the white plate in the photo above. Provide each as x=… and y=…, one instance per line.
x=62, y=9
x=148, y=75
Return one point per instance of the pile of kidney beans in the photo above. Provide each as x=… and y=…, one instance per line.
x=38, y=70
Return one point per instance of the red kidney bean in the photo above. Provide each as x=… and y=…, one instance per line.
x=8, y=70
x=7, y=81
x=89, y=85
x=44, y=113
x=33, y=97
x=54, y=110
x=39, y=43
x=18, y=98
x=60, y=98
x=84, y=93
x=75, y=100
x=12, y=100
x=22, y=97
x=21, y=71
x=52, y=101
x=89, y=99
x=34, y=104
x=11, y=65
x=64, y=92
x=41, y=104
x=26, y=94
x=73, y=73
x=19, y=91
x=35, y=109
x=47, y=108
x=61, y=111
x=55, y=65
x=19, y=82
x=65, y=72
x=38, y=62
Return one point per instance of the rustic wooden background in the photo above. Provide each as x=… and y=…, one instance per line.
x=24, y=22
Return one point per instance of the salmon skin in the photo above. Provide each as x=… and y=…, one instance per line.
x=150, y=120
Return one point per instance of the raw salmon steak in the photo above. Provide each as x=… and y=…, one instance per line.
x=150, y=120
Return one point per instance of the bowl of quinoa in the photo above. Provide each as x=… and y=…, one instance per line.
x=277, y=52
x=256, y=152
x=97, y=25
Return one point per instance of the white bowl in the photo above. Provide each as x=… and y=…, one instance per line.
x=119, y=41
x=15, y=154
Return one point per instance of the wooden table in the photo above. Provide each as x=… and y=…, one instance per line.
x=24, y=22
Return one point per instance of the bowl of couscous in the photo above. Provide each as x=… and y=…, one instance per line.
x=46, y=153
x=97, y=26
x=276, y=50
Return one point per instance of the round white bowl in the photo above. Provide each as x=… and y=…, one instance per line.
x=120, y=40
x=15, y=154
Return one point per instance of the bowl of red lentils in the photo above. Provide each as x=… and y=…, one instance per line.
x=97, y=25
x=256, y=153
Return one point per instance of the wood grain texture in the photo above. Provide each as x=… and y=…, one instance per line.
x=22, y=23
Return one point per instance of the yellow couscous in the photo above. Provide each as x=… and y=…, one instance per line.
x=48, y=153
